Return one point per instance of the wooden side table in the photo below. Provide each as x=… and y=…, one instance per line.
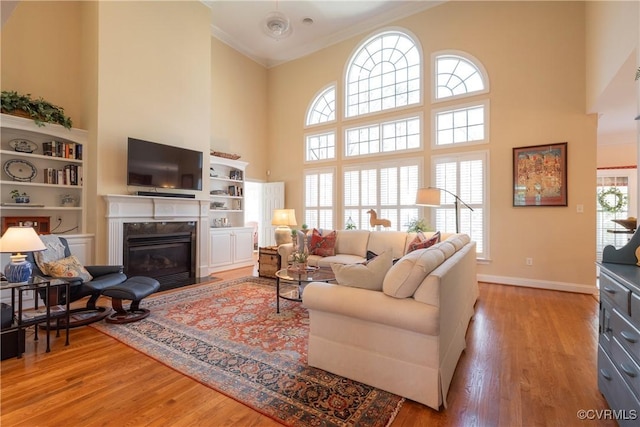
x=268, y=261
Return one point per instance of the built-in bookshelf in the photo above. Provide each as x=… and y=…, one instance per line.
x=47, y=163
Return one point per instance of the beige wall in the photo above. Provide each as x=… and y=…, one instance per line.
x=612, y=34
x=617, y=155
x=239, y=108
x=154, y=77
x=40, y=46
x=534, y=54
x=119, y=69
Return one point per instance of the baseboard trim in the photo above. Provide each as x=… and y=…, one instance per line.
x=539, y=284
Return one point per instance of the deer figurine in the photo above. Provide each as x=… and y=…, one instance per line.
x=373, y=219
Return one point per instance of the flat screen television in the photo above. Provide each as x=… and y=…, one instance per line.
x=150, y=164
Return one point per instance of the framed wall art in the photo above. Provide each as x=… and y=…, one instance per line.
x=540, y=175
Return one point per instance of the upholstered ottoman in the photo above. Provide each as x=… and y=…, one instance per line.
x=135, y=289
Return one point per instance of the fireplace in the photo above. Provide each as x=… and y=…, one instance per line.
x=165, y=251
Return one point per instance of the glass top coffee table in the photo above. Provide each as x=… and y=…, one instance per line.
x=300, y=278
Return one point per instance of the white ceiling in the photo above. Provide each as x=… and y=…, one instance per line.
x=239, y=24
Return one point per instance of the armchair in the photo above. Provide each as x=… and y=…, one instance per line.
x=86, y=281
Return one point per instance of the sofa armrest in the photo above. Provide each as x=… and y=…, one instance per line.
x=372, y=306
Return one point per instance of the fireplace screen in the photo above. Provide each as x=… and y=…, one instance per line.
x=163, y=250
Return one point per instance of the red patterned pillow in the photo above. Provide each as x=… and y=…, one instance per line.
x=421, y=241
x=323, y=245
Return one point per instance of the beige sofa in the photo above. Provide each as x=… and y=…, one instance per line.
x=408, y=337
x=352, y=245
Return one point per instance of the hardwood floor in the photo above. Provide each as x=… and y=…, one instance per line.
x=530, y=360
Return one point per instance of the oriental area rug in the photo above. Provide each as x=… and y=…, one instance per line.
x=228, y=336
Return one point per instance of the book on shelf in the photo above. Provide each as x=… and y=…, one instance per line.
x=65, y=150
x=69, y=175
x=41, y=312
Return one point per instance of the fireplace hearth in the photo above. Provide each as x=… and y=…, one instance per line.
x=165, y=251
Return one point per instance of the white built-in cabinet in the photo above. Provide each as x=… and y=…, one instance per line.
x=230, y=247
x=230, y=242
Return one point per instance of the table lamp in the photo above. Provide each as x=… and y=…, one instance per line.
x=283, y=219
x=17, y=240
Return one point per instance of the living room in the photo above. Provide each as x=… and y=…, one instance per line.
x=152, y=70
x=90, y=76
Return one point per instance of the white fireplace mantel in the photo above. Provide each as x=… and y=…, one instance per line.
x=123, y=209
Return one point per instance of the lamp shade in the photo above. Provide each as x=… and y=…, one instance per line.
x=284, y=217
x=428, y=197
x=17, y=240
x=21, y=239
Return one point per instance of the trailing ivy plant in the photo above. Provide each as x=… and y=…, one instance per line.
x=39, y=110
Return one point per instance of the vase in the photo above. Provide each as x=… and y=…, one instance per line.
x=22, y=199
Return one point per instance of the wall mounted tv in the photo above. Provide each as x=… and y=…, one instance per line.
x=150, y=164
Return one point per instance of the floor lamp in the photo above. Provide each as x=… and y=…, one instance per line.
x=430, y=196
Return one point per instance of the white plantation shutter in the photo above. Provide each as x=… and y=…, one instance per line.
x=465, y=175
x=319, y=200
x=389, y=188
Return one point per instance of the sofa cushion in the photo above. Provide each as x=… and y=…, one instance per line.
x=422, y=242
x=459, y=240
x=446, y=247
x=352, y=242
x=326, y=261
x=67, y=268
x=380, y=241
x=405, y=276
x=367, y=276
x=323, y=245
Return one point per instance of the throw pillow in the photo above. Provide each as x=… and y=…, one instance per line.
x=371, y=255
x=366, y=276
x=421, y=241
x=323, y=245
x=55, y=251
x=68, y=267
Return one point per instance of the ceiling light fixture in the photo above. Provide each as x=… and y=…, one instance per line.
x=276, y=25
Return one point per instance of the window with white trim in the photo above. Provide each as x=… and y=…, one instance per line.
x=388, y=188
x=456, y=75
x=323, y=107
x=384, y=73
x=616, y=188
x=386, y=137
x=464, y=175
x=319, y=199
x=464, y=124
x=321, y=146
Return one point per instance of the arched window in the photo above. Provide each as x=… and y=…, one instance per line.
x=384, y=73
x=456, y=75
x=323, y=107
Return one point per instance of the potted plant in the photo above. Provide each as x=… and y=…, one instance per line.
x=19, y=198
x=39, y=110
x=300, y=260
x=416, y=225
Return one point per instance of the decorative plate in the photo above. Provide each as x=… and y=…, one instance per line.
x=20, y=170
x=23, y=145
